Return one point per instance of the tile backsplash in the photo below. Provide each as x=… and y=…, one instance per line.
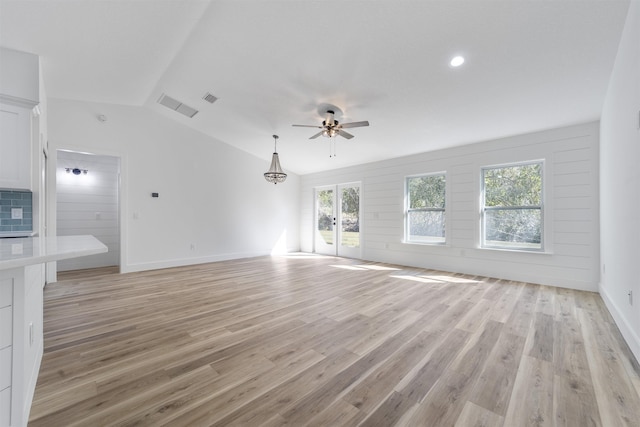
x=16, y=200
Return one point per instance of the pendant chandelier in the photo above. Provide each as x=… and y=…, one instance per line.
x=275, y=173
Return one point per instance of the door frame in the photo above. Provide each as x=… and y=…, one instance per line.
x=122, y=198
x=337, y=249
x=319, y=245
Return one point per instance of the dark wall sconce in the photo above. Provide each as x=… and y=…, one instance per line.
x=76, y=171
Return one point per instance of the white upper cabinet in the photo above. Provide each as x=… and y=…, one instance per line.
x=19, y=94
x=15, y=147
x=19, y=78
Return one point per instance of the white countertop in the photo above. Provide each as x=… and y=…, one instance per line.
x=20, y=252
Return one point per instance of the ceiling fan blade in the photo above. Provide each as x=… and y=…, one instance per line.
x=308, y=126
x=354, y=124
x=317, y=135
x=344, y=134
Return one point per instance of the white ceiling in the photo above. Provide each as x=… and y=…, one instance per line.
x=530, y=65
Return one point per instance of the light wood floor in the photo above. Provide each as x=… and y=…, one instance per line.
x=322, y=341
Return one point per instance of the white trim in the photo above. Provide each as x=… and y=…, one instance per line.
x=629, y=335
x=544, y=218
x=521, y=250
x=17, y=102
x=181, y=262
x=445, y=210
x=52, y=269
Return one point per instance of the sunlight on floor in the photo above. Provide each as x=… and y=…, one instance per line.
x=349, y=267
x=418, y=278
x=434, y=279
x=365, y=267
x=280, y=248
x=378, y=267
x=303, y=255
x=450, y=279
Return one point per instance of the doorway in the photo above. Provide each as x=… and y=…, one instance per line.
x=88, y=202
x=337, y=220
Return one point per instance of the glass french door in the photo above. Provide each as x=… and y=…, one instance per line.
x=337, y=220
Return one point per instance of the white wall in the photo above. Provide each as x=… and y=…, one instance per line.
x=88, y=204
x=571, y=208
x=214, y=203
x=620, y=185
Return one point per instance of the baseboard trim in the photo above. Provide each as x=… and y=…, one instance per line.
x=632, y=339
x=157, y=265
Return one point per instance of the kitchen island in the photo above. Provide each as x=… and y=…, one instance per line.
x=21, y=314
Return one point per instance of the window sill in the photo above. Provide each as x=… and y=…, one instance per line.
x=519, y=251
x=408, y=242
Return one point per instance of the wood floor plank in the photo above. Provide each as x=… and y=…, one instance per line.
x=540, y=339
x=470, y=361
x=531, y=402
x=574, y=399
x=340, y=413
x=445, y=401
x=275, y=400
x=321, y=397
x=506, y=301
x=219, y=401
x=494, y=387
x=381, y=382
x=475, y=416
x=418, y=383
x=312, y=340
x=615, y=393
x=519, y=322
x=389, y=412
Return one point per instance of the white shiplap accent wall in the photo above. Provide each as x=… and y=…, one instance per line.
x=88, y=204
x=570, y=158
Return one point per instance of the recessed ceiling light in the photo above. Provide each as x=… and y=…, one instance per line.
x=457, y=61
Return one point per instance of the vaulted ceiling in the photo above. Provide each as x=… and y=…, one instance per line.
x=529, y=65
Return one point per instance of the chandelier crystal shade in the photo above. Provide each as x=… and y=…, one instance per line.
x=275, y=173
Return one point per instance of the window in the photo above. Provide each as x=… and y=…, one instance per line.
x=425, y=218
x=512, y=208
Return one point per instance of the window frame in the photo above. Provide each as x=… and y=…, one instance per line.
x=407, y=209
x=540, y=207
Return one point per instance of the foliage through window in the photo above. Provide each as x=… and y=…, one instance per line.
x=350, y=216
x=512, y=209
x=425, y=218
x=325, y=215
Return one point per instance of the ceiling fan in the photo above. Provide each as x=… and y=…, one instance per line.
x=331, y=127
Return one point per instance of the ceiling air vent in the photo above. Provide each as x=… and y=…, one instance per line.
x=209, y=98
x=178, y=106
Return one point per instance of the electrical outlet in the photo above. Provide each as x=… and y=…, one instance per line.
x=193, y=246
x=16, y=213
x=31, y=337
